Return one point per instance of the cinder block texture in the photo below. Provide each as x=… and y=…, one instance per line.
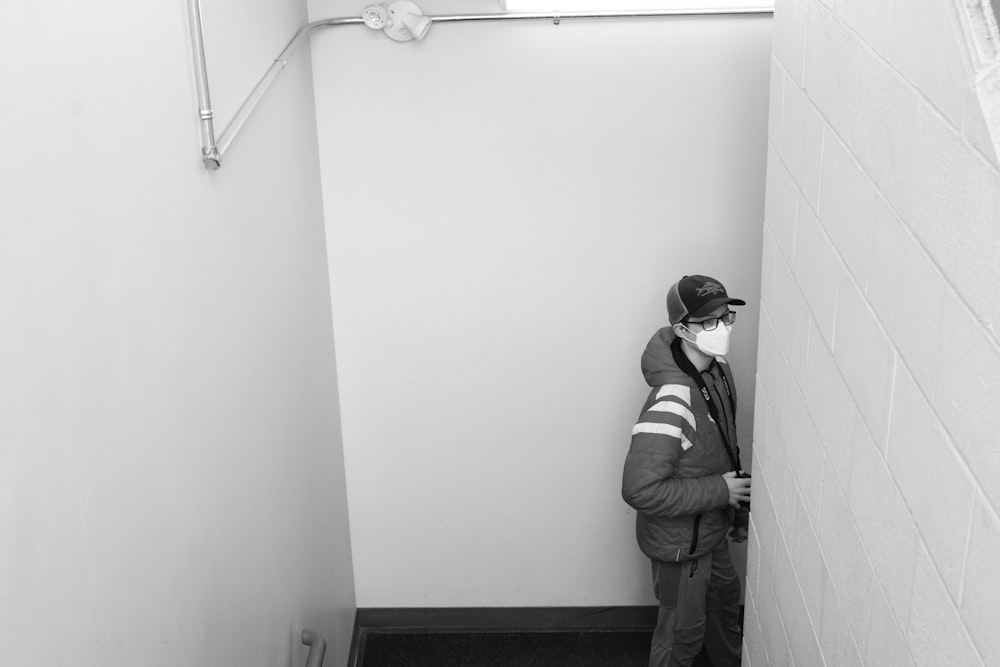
x=975, y=129
x=981, y=592
x=935, y=632
x=845, y=554
x=869, y=105
x=804, y=551
x=912, y=312
x=866, y=357
x=753, y=643
x=886, y=644
x=801, y=143
x=768, y=257
x=779, y=205
x=798, y=625
x=790, y=39
x=775, y=97
x=782, y=497
x=953, y=210
x=832, y=408
x=966, y=395
x=836, y=640
x=772, y=378
x=771, y=625
x=936, y=485
x=850, y=208
x=765, y=527
x=817, y=270
x=903, y=38
x=790, y=318
x=875, y=520
x=805, y=453
x=886, y=527
x=753, y=563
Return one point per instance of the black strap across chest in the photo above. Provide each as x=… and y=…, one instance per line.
x=685, y=365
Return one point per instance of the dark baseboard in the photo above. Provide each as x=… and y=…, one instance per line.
x=496, y=619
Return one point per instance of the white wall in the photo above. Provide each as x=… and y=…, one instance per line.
x=171, y=476
x=506, y=205
x=875, y=530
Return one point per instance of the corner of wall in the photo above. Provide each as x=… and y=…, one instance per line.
x=982, y=40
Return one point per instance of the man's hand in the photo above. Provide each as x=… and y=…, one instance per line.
x=739, y=488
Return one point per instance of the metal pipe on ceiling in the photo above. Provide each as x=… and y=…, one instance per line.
x=556, y=17
x=270, y=75
x=212, y=151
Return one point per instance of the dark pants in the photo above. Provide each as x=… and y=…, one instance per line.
x=699, y=603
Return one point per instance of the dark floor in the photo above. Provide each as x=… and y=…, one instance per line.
x=619, y=648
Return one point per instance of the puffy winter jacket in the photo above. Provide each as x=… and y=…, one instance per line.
x=674, y=467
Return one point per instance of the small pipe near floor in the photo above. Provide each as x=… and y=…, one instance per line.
x=317, y=648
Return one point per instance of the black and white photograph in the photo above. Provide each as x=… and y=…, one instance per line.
x=500, y=333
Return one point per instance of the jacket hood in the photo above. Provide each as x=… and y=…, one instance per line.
x=658, y=365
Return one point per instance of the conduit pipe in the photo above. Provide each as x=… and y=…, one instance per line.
x=210, y=154
x=212, y=151
x=317, y=648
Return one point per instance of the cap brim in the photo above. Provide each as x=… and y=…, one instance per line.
x=715, y=303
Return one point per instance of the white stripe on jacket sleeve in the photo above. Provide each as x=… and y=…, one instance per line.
x=675, y=408
x=662, y=429
x=681, y=391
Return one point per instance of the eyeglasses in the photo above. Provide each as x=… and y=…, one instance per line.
x=713, y=322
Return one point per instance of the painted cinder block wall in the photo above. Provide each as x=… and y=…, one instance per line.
x=875, y=527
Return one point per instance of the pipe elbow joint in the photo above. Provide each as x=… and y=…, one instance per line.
x=211, y=159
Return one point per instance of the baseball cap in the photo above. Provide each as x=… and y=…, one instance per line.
x=696, y=296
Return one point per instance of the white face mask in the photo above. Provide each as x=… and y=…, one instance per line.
x=714, y=343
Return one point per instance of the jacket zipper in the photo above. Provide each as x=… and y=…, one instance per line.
x=694, y=538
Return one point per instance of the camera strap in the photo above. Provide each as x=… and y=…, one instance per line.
x=685, y=365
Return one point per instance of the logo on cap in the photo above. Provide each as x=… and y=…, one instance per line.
x=710, y=288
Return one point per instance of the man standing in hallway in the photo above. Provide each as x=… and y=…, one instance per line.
x=683, y=476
